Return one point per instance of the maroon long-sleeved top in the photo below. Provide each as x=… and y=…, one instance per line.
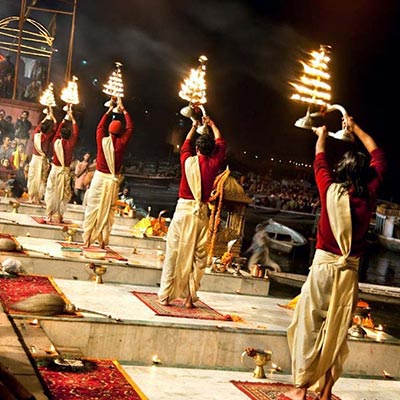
x=67, y=144
x=361, y=208
x=119, y=142
x=209, y=167
x=45, y=140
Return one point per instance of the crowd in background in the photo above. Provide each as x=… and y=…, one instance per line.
x=285, y=194
x=15, y=155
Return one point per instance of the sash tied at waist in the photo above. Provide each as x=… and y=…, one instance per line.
x=60, y=169
x=341, y=262
x=197, y=208
x=111, y=177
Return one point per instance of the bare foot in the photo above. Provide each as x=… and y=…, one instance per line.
x=296, y=394
x=163, y=302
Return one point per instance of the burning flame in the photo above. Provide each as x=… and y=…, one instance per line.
x=115, y=87
x=47, y=98
x=313, y=86
x=193, y=88
x=70, y=93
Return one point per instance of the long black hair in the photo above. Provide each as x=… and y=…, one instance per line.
x=353, y=172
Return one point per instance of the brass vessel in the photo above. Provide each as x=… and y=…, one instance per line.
x=99, y=271
x=260, y=358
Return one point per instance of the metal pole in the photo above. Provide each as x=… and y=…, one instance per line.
x=71, y=46
x=21, y=25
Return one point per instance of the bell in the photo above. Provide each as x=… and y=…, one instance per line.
x=109, y=103
x=188, y=112
x=116, y=109
x=66, y=108
x=202, y=130
x=306, y=122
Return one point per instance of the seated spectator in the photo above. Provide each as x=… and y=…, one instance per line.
x=126, y=197
x=5, y=149
x=19, y=156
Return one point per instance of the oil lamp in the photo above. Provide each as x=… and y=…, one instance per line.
x=260, y=358
x=313, y=88
x=47, y=98
x=70, y=95
x=193, y=89
x=114, y=87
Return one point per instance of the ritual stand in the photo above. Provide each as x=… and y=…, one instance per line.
x=228, y=204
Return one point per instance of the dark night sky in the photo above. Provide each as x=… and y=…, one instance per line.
x=253, y=47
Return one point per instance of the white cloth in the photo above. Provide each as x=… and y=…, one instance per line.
x=29, y=65
x=59, y=150
x=318, y=332
x=186, y=254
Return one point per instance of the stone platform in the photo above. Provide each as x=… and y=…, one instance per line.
x=19, y=224
x=142, y=267
x=135, y=334
x=73, y=211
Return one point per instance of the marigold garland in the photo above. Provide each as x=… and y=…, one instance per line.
x=215, y=217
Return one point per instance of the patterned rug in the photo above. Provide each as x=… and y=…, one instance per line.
x=23, y=286
x=110, y=255
x=177, y=308
x=45, y=221
x=104, y=380
x=270, y=391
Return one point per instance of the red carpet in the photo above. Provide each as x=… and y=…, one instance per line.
x=270, y=391
x=110, y=255
x=44, y=221
x=24, y=286
x=178, y=309
x=106, y=380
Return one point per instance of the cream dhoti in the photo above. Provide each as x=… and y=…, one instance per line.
x=37, y=177
x=317, y=335
x=100, y=209
x=186, y=254
x=58, y=190
x=101, y=200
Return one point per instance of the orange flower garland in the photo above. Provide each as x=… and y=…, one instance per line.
x=215, y=217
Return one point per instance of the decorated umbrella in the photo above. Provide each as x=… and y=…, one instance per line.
x=70, y=95
x=193, y=89
x=313, y=88
x=114, y=87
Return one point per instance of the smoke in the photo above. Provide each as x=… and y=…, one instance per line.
x=171, y=36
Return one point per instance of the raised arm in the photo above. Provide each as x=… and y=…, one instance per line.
x=101, y=131
x=364, y=137
x=322, y=134
x=192, y=130
x=207, y=120
x=128, y=121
